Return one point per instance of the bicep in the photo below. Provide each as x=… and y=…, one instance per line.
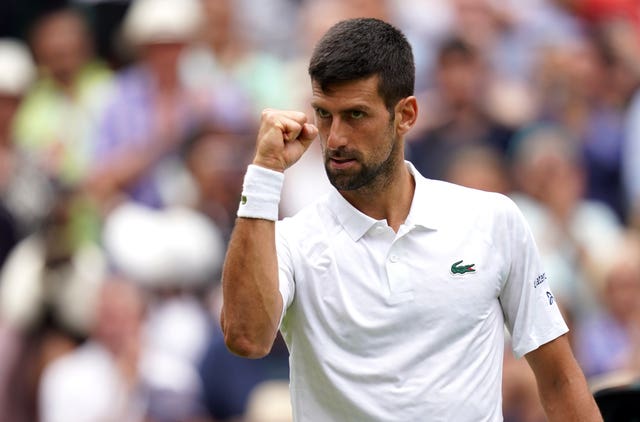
x=553, y=362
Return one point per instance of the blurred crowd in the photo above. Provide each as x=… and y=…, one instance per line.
x=125, y=131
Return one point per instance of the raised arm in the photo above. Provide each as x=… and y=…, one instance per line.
x=561, y=383
x=252, y=304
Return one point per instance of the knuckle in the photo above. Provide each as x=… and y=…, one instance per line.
x=267, y=114
x=300, y=116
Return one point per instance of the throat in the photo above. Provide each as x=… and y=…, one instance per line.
x=391, y=202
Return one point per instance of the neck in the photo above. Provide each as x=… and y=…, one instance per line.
x=390, y=200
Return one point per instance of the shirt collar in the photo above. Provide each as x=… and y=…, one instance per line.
x=422, y=213
x=425, y=207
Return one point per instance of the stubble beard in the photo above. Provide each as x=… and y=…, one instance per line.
x=371, y=176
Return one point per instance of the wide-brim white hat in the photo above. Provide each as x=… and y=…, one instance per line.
x=162, y=21
x=17, y=70
x=174, y=247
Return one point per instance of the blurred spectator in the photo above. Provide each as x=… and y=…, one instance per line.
x=51, y=276
x=100, y=380
x=459, y=117
x=150, y=111
x=175, y=248
x=520, y=398
x=630, y=53
x=269, y=401
x=573, y=233
x=509, y=33
x=47, y=290
x=8, y=235
x=146, y=363
x=586, y=87
x=265, y=20
x=604, y=11
x=216, y=161
x=609, y=341
x=25, y=192
x=426, y=23
x=223, y=60
x=105, y=17
x=479, y=167
x=230, y=380
x=16, y=15
x=176, y=255
x=631, y=161
x=58, y=115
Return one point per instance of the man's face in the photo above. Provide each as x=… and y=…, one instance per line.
x=357, y=134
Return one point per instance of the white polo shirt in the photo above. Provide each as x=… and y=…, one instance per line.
x=409, y=326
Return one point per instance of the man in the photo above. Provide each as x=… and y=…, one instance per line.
x=392, y=290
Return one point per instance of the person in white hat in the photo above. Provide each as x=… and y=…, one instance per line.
x=57, y=118
x=150, y=112
x=24, y=191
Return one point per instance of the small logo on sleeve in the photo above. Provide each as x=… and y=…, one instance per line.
x=539, y=280
x=243, y=199
x=459, y=268
x=550, y=297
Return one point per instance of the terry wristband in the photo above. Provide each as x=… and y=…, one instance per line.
x=260, y=193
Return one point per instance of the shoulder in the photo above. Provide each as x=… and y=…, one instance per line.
x=463, y=212
x=455, y=199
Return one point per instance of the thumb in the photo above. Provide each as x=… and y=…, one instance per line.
x=308, y=133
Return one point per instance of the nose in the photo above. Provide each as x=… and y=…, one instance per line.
x=337, y=134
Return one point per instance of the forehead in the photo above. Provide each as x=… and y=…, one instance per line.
x=361, y=92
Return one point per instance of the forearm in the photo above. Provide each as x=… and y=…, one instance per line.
x=563, y=389
x=252, y=304
x=568, y=399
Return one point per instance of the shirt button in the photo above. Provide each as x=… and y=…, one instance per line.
x=393, y=258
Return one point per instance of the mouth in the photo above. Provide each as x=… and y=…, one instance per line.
x=341, y=163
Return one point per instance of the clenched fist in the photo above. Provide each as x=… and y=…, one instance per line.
x=283, y=137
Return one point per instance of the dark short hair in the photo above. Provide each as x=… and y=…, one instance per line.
x=359, y=48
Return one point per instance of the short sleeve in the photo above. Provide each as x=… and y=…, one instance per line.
x=529, y=306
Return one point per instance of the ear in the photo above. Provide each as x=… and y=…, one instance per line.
x=406, y=114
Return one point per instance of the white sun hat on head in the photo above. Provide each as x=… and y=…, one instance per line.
x=17, y=70
x=159, y=21
x=173, y=247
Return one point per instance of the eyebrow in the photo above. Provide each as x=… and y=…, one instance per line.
x=355, y=107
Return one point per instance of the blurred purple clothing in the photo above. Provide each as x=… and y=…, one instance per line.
x=602, y=345
x=129, y=123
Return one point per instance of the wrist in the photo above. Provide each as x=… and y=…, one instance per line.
x=270, y=164
x=261, y=193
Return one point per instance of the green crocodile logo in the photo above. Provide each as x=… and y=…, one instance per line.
x=243, y=200
x=456, y=268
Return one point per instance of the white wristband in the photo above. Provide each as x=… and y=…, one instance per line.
x=261, y=193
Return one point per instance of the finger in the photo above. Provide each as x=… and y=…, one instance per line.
x=271, y=116
x=308, y=132
x=290, y=128
x=297, y=116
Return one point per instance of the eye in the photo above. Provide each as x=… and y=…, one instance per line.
x=323, y=114
x=356, y=114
